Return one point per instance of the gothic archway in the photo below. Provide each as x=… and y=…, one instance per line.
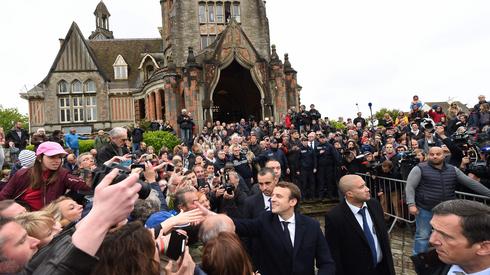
x=236, y=95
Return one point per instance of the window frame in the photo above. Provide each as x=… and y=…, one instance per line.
x=65, y=84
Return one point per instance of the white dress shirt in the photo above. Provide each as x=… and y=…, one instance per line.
x=291, y=226
x=355, y=211
x=267, y=202
x=456, y=269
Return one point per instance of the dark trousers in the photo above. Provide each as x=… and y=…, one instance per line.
x=325, y=182
x=307, y=182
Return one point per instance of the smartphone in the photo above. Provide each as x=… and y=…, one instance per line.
x=139, y=165
x=176, y=245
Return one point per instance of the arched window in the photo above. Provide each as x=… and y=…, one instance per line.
x=63, y=87
x=149, y=71
x=76, y=87
x=90, y=86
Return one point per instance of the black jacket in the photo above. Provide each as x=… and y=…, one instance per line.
x=276, y=258
x=20, y=142
x=347, y=241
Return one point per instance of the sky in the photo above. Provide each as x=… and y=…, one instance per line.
x=347, y=53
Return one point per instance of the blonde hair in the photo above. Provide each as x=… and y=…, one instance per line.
x=37, y=223
x=54, y=210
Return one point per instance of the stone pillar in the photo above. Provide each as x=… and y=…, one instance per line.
x=147, y=107
x=280, y=99
x=151, y=106
x=291, y=84
x=192, y=95
x=158, y=105
x=172, y=101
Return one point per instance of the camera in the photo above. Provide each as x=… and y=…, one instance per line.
x=124, y=172
x=229, y=188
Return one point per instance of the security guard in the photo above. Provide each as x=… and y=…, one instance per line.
x=307, y=169
x=328, y=159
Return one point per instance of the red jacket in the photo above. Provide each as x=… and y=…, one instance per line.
x=21, y=181
x=436, y=117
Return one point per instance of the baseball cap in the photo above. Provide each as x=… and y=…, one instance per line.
x=50, y=148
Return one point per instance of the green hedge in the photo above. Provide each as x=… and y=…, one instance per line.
x=158, y=139
x=30, y=147
x=86, y=145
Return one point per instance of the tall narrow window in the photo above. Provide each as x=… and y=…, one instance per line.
x=90, y=86
x=77, y=109
x=219, y=12
x=211, y=39
x=63, y=87
x=202, y=13
x=65, y=109
x=204, y=41
x=227, y=11
x=211, y=12
x=91, y=108
x=236, y=11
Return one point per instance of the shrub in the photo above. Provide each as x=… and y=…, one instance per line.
x=30, y=147
x=337, y=126
x=158, y=139
x=86, y=145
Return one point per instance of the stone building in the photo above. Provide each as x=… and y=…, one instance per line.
x=213, y=58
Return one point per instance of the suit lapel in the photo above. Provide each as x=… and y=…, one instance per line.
x=377, y=224
x=353, y=221
x=299, y=233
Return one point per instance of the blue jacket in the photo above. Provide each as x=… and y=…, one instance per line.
x=71, y=140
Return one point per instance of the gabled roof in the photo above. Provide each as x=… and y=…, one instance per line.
x=132, y=50
x=231, y=39
x=74, y=44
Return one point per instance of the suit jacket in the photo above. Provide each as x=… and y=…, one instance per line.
x=349, y=246
x=277, y=257
x=254, y=206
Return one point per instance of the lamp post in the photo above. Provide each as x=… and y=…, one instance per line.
x=371, y=111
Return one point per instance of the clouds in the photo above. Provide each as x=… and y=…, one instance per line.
x=344, y=51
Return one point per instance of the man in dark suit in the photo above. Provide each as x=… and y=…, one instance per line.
x=356, y=232
x=261, y=202
x=290, y=243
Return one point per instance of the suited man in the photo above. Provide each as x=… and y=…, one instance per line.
x=355, y=250
x=261, y=202
x=289, y=242
x=258, y=204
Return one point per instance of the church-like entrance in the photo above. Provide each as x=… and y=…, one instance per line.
x=236, y=96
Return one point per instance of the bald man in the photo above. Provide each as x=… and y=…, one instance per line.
x=213, y=225
x=357, y=233
x=428, y=184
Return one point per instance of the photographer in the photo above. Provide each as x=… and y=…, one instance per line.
x=456, y=153
x=229, y=197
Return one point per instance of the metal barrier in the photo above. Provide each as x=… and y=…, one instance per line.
x=391, y=194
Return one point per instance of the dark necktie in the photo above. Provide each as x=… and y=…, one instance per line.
x=286, y=232
x=369, y=235
x=270, y=205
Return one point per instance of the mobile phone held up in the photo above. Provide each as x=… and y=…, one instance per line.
x=176, y=245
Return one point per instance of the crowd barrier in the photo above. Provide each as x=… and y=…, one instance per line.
x=391, y=194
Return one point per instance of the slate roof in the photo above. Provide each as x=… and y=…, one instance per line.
x=132, y=50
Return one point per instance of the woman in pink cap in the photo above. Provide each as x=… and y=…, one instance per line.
x=45, y=181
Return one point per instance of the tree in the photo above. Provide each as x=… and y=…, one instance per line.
x=393, y=113
x=8, y=116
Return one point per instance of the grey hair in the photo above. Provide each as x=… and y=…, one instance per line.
x=117, y=131
x=210, y=230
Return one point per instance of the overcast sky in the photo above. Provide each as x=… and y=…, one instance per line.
x=345, y=52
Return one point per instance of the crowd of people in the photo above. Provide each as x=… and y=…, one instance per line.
x=231, y=193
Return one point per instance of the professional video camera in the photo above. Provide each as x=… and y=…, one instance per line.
x=124, y=172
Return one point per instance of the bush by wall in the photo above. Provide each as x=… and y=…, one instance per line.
x=86, y=145
x=158, y=139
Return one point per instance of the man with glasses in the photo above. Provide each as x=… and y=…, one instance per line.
x=118, y=137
